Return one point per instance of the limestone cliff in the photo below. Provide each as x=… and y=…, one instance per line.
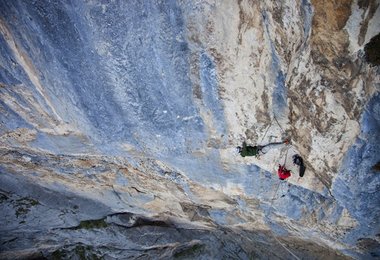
x=119, y=122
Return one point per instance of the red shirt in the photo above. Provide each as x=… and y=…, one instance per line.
x=283, y=173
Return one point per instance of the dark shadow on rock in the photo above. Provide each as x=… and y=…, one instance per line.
x=376, y=167
x=372, y=51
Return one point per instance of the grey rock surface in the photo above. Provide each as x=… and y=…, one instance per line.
x=119, y=122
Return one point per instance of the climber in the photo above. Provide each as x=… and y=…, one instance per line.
x=283, y=173
x=257, y=150
x=248, y=150
x=297, y=160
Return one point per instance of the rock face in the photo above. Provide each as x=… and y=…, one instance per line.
x=119, y=122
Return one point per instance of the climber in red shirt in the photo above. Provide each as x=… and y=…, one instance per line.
x=282, y=172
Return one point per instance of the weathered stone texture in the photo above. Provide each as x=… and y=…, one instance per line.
x=119, y=122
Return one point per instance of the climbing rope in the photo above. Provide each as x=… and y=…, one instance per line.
x=282, y=130
x=278, y=241
x=266, y=131
x=286, y=155
x=296, y=257
x=275, y=193
x=265, y=134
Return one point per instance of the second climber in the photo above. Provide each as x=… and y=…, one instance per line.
x=283, y=173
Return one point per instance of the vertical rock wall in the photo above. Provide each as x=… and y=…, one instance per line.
x=134, y=108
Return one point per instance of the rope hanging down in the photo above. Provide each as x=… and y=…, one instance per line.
x=278, y=241
x=271, y=122
x=278, y=124
x=278, y=186
x=266, y=132
x=286, y=154
x=296, y=257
